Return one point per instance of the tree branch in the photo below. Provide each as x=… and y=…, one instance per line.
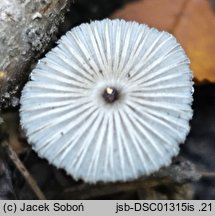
x=27, y=29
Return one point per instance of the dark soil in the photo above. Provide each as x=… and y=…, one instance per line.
x=200, y=144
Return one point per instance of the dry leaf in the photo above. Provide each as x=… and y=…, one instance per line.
x=196, y=32
x=191, y=21
x=161, y=14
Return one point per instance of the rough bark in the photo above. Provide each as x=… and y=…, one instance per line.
x=27, y=29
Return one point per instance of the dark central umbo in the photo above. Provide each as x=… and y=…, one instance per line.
x=110, y=94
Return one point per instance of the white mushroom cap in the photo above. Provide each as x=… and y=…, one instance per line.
x=111, y=102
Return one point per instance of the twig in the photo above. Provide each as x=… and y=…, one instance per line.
x=28, y=29
x=179, y=173
x=208, y=174
x=20, y=166
x=86, y=191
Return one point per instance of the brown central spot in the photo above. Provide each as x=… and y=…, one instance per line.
x=110, y=94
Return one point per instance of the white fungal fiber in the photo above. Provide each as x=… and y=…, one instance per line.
x=111, y=102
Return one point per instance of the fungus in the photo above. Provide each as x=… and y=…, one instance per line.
x=111, y=102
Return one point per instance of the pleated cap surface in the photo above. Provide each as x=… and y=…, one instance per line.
x=111, y=102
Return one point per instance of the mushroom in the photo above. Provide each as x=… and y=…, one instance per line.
x=112, y=102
